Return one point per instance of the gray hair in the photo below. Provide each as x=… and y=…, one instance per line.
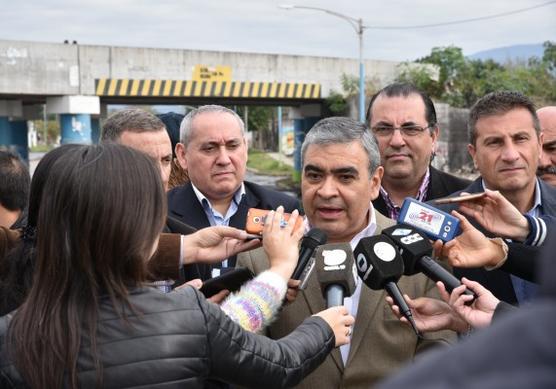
x=186, y=126
x=131, y=119
x=499, y=103
x=342, y=130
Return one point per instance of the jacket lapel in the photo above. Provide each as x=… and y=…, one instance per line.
x=185, y=206
x=548, y=198
x=249, y=200
x=369, y=300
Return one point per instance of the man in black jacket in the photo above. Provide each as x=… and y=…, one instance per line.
x=145, y=132
x=213, y=151
x=403, y=120
x=505, y=144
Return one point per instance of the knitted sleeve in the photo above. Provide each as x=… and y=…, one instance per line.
x=255, y=305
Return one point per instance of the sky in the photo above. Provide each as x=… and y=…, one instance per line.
x=261, y=26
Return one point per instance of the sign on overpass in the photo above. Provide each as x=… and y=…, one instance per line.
x=106, y=87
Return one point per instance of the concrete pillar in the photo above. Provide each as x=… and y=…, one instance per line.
x=95, y=129
x=303, y=120
x=13, y=129
x=19, y=138
x=75, y=116
x=298, y=138
x=75, y=128
x=5, y=131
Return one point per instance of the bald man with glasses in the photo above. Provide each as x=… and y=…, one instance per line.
x=403, y=120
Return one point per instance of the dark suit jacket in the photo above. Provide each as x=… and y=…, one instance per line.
x=380, y=343
x=522, y=261
x=184, y=206
x=517, y=351
x=441, y=185
x=498, y=281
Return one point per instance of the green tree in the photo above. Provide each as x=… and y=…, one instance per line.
x=549, y=56
x=52, y=130
x=336, y=103
x=462, y=81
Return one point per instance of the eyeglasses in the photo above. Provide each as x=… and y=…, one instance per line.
x=388, y=131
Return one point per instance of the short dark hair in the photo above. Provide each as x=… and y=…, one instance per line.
x=498, y=103
x=130, y=119
x=14, y=175
x=405, y=89
x=172, y=121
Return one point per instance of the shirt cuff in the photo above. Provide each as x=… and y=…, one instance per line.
x=537, y=231
x=500, y=242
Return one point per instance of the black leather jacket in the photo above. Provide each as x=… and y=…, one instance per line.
x=179, y=340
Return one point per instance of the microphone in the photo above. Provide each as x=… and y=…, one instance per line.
x=335, y=272
x=312, y=239
x=380, y=266
x=416, y=250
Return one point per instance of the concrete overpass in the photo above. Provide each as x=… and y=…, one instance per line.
x=76, y=81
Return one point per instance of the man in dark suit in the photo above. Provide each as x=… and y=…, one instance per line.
x=213, y=151
x=505, y=145
x=403, y=120
x=145, y=132
x=340, y=177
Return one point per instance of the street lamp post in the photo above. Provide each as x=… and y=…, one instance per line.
x=359, y=28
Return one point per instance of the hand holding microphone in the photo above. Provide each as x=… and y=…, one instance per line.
x=416, y=250
x=453, y=313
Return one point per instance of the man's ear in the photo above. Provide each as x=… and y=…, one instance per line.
x=180, y=155
x=472, y=151
x=246, y=148
x=541, y=141
x=376, y=180
x=434, y=135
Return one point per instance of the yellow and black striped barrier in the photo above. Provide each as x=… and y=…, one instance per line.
x=188, y=88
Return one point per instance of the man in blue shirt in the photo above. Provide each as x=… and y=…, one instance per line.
x=213, y=151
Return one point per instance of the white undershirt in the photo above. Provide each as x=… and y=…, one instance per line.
x=352, y=303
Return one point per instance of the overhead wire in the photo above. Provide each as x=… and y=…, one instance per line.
x=507, y=13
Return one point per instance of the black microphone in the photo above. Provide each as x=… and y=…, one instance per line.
x=314, y=238
x=416, y=250
x=380, y=266
x=335, y=272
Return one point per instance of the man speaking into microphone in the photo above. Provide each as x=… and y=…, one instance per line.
x=340, y=177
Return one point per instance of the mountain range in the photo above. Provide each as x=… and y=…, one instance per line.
x=515, y=53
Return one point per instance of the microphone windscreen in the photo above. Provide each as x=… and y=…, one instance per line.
x=378, y=261
x=334, y=264
x=413, y=245
x=312, y=239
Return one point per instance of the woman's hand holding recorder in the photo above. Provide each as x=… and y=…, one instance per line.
x=281, y=241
